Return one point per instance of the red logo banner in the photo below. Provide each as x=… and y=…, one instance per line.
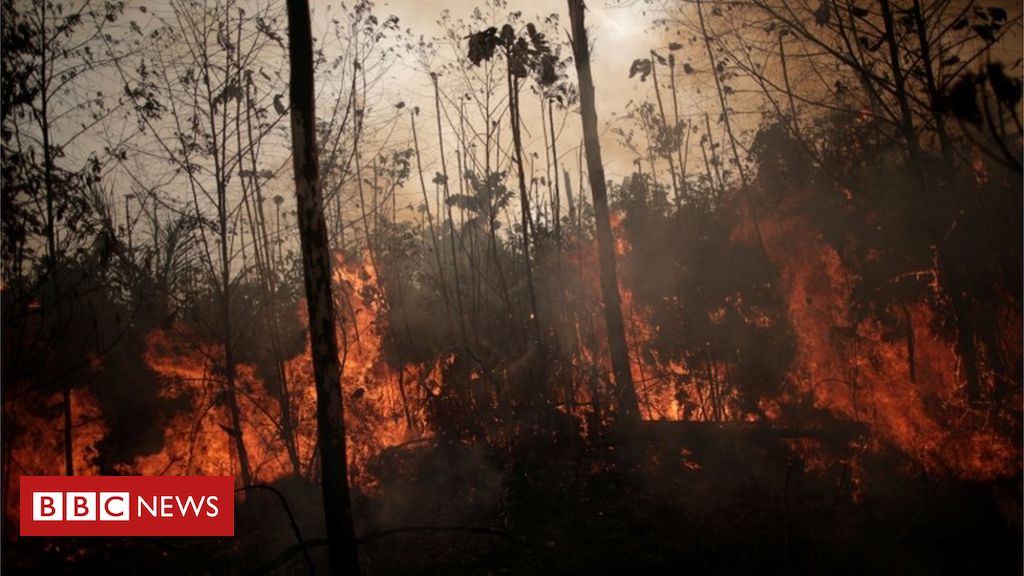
x=127, y=506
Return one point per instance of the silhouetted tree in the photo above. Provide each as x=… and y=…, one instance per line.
x=316, y=265
x=628, y=406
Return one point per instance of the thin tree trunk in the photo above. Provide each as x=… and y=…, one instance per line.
x=557, y=208
x=430, y=224
x=628, y=406
x=316, y=266
x=370, y=250
x=524, y=197
x=751, y=206
x=451, y=222
x=794, y=120
x=714, y=155
x=51, y=244
x=899, y=82
x=664, y=126
x=221, y=175
x=682, y=159
x=230, y=371
x=261, y=241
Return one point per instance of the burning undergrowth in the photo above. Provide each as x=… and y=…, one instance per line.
x=797, y=352
x=385, y=405
x=778, y=350
x=908, y=388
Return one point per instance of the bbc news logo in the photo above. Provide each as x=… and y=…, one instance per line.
x=127, y=506
x=115, y=506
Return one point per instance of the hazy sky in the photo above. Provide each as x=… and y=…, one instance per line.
x=620, y=31
x=620, y=34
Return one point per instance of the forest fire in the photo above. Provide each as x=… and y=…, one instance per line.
x=906, y=389
x=848, y=368
x=743, y=294
x=39, y=447
x=386, y=407
x=665, y=388
x=198, y=441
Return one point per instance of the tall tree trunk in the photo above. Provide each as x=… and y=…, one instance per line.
x=524, y=197
x=628, y=406
x=230, y=370
x=221, y=176
x=316, y=267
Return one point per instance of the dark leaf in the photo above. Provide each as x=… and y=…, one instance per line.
x=1006, y=89
x=823, y=14
x=641, y=66
x=508, y=35
x=984, y=31
x=482, y=45
x=547, y=72
x=540, y=43
x=962, y=100
x=519, y=59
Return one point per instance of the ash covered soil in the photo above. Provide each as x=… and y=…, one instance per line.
x=559, y=505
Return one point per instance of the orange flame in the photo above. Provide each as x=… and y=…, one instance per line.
x=384, y=406
x=849, y=368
